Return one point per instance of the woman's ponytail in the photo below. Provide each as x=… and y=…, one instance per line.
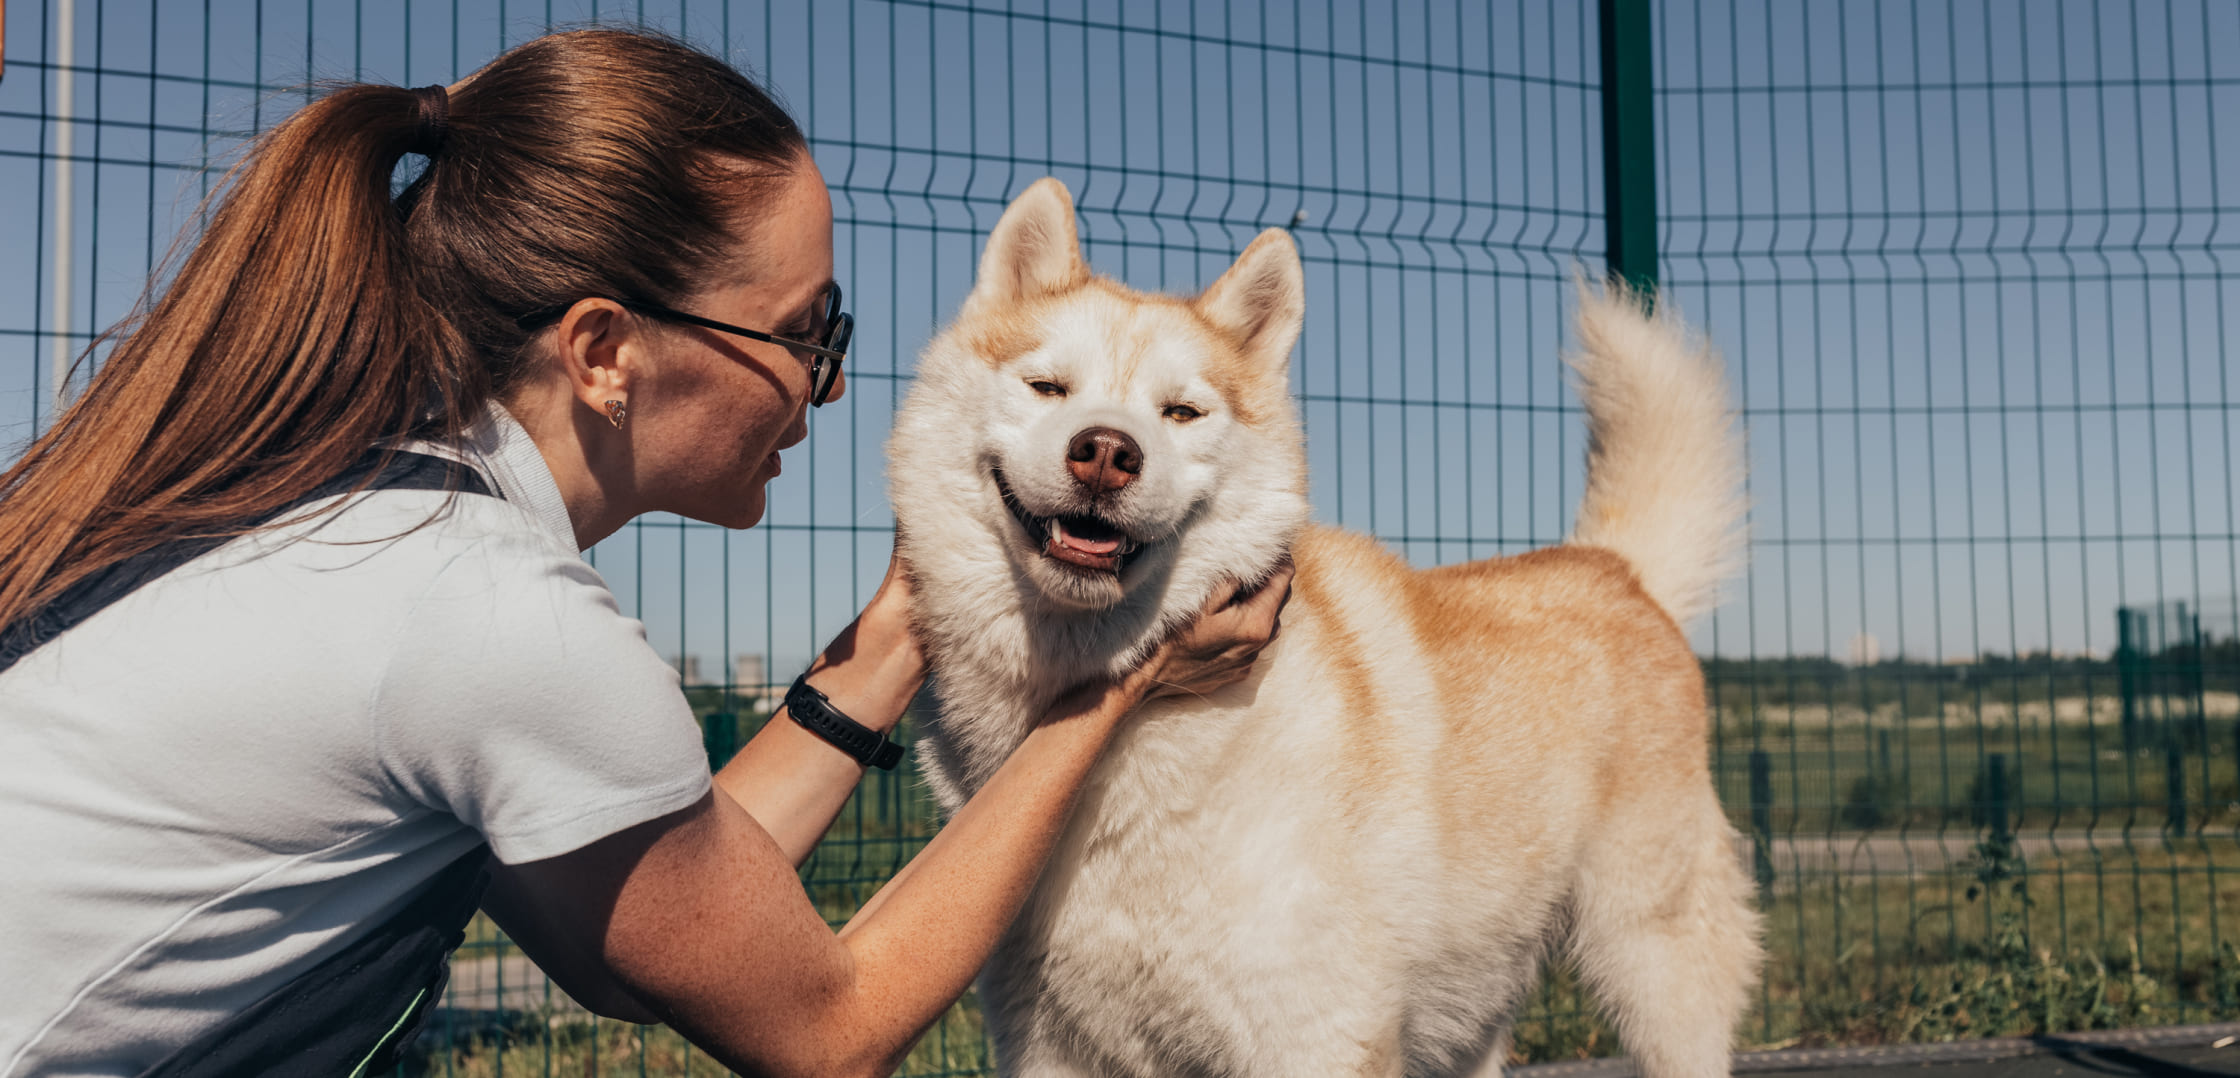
x=317, y=316
x=292, y=339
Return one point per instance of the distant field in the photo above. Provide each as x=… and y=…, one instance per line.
x=1932, y=772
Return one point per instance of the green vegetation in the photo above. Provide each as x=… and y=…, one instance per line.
x=1962, y=850
x=1930, y=774
x=1920, y=688
x=2135, y=744
x=571, y=1043
x=1994, y=945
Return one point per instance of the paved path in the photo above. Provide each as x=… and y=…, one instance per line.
x=2167, y=1052
x=1884, y=854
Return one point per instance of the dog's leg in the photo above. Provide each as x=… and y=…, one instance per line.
x=1497, y=1053
x=1666, y=937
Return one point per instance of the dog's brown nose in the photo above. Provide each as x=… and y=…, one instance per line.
x=1103, y=459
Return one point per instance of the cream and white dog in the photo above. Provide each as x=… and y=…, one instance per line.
x=1354, y=861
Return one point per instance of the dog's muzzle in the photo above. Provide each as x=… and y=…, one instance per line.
x=1082, y=541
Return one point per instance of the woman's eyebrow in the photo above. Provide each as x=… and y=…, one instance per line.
x=810, y=306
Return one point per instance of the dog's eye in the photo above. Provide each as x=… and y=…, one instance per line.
x=1181, y=413
x=1047, y=387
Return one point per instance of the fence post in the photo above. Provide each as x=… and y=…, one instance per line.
x=1629, y=148
x=2200, y=729
x=2174, y=791
x=719, y=733
x=1761, y=815
x=1994, y=808
x=2127, y=673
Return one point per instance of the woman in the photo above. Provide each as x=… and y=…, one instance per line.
x=219, y=779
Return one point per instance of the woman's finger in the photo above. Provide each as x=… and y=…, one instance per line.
x=1262, y=609
x=1219, y=600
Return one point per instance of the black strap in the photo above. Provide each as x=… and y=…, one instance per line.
x=401, y=471
x=814, y=711
x=356, y=1012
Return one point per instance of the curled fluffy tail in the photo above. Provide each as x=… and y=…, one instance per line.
x=1664, y=455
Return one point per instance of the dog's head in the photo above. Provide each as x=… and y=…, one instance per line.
x=1105, y=441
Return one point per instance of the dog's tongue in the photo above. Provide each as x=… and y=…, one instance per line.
x=1085, y=537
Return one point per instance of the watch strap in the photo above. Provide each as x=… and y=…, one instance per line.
x=814, y=711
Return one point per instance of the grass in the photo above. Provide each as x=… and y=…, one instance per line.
x=1931, y=773
x=550, y=1043
x=2139, y=928
x=1993, y=946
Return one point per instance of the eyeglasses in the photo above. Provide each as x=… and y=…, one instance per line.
x=832, y=330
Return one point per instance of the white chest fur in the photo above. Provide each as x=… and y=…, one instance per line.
x=1234, y=894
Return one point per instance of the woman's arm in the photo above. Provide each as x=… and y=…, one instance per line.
x=789, y=780
x=700, y=917
x=793, y=782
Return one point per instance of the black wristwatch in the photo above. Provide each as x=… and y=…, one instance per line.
x=814, y=711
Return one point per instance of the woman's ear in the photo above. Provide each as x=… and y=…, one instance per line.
x=592, y=343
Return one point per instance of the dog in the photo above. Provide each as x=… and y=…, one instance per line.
x=1355, y=860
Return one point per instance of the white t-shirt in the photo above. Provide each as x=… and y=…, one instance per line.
x=221, y=779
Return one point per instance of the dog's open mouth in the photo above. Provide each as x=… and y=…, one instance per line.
x=1080, y=540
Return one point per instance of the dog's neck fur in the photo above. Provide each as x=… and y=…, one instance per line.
x=1003, y=663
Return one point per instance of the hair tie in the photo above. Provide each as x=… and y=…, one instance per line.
x=435, y=121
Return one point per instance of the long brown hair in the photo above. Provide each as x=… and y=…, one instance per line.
x=317, y=317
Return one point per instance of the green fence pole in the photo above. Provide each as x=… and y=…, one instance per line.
x=1629, y=151
x=2198, y=736
x=719, y=733
x=1761, y=815
x=2127, y=675
x=1995, y=808
x=2174, y=775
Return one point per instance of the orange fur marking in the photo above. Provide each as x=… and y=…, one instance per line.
x=1324, y=556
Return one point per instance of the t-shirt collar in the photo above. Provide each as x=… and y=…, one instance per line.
x=501, y=448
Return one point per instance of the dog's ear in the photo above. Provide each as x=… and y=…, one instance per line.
x=1262, y=301
x=1034, y=250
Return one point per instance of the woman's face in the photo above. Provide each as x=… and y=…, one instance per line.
x=714, y=409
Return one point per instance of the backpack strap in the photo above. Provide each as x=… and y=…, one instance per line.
x=401, y=471
x=356, y=1012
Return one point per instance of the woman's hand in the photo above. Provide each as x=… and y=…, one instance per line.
x=887, y=616
x=792, y=782
x=1219, y=648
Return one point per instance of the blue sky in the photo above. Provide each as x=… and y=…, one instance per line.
x=1966, y=261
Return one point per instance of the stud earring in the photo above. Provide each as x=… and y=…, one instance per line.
x=615, y=413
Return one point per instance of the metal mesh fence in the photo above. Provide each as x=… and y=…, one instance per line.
x=1965, y=261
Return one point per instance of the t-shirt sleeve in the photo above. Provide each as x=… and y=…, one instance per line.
x=521, y=700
